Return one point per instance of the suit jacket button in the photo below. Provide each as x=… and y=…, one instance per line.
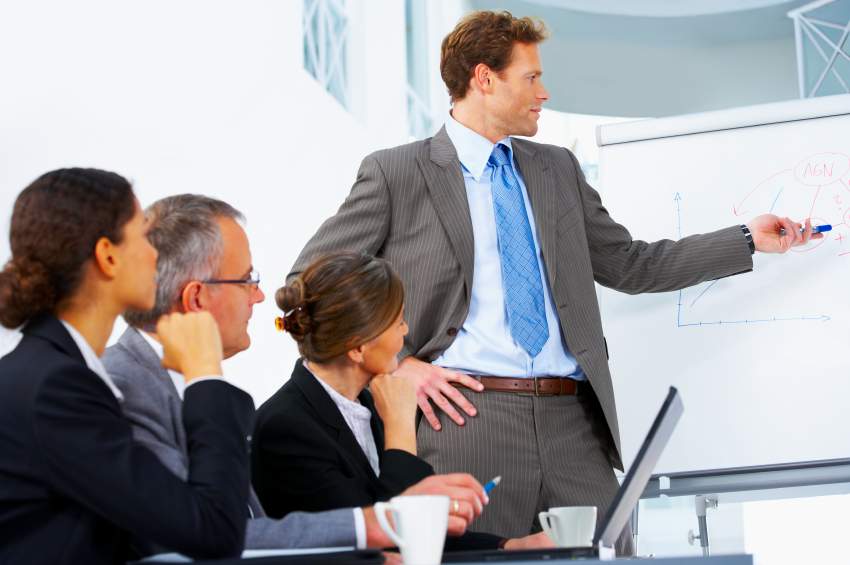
x=452, y=331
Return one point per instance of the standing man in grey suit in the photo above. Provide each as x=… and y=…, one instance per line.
x=499, y=241
x=204, y=263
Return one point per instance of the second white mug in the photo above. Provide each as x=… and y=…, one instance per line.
x=570, y=526
x=420, y=526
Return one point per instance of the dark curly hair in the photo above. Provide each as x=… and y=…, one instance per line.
x=56, y=223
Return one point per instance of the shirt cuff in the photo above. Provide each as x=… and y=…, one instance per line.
x=207, y=378
x=360, y=528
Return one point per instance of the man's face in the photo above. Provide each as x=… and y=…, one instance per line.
x=518, y=93
x=232, y=304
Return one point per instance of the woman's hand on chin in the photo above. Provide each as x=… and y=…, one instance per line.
x=395, y=401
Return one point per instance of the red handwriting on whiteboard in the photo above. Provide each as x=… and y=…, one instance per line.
x=822, y=169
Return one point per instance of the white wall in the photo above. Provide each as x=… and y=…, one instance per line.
x=195, y=96
x=442, y=17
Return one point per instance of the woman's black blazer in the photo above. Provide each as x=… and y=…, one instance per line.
x=304, y=457
x=75, y=487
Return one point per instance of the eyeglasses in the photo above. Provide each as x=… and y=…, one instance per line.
x=253, y=279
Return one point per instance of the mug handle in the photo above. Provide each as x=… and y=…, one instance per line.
x=381, y=514
x=545, y=518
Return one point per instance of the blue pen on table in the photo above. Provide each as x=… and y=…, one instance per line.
x=815, y=229
x=492, y=484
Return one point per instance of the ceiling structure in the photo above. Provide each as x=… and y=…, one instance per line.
x=645, y=58
x=659, y=8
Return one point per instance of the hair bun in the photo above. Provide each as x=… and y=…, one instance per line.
x=25, y=290
x=292, y=300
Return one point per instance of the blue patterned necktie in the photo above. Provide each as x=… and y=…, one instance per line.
x=521, y=278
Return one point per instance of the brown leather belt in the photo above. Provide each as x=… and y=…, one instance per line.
x=538, y=386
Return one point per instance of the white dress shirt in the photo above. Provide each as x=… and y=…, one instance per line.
x=484, y=344
x=9, y=339
x=92, y=360
x=359, y=420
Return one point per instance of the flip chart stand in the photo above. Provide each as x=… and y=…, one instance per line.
x=701, y=504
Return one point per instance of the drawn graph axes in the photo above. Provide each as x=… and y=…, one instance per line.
x=677, y=198
x=822, y=318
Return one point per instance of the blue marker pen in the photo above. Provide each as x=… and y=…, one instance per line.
x=815, y=229
x=492, y=484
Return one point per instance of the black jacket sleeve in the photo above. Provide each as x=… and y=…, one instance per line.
x=298, y=466
x=91, y=458
x=401, y=470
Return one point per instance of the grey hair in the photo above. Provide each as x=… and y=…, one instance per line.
x=184, y=230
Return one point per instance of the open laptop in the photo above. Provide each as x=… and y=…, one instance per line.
x=621, y=507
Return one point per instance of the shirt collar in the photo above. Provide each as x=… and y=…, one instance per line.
x=9, y=340
x=155, y=345
x=472, y=148
x=92, y=360
x=354, y=406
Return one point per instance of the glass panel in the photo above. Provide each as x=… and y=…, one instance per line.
x=325, y=44
x=775, y=532
x=823, y=39
x=421, y=122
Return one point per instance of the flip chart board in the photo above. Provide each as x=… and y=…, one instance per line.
x=762, y=359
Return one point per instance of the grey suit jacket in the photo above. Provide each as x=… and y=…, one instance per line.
x=152, y=405
x=409, y=206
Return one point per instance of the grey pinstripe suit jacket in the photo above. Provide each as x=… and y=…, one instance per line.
x=409, y=206
x=154, y=409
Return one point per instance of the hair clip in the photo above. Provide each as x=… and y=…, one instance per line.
x=279, y=324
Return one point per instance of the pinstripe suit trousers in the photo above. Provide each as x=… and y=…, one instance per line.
x=549, y=450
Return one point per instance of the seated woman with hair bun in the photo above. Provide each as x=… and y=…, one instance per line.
x=74, y=485
x=324, y=441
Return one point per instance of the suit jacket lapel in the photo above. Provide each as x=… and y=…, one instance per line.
x=544, y=203
x=147, y=358
x=376, y=423
x=330, y=415
x=254, y=505
x=444, y=179
x=48, y=326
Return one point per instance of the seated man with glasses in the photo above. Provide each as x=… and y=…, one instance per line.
x=204, y=263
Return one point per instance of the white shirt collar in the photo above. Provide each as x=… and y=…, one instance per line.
x=176, y=378
x=9, y=339
x=357, y=409
x=92, y=360
x=358, y=418
x=473, y=149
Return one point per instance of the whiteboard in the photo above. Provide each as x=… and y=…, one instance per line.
x=762, y=359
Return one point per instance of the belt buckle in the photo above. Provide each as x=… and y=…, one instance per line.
x=536, y=391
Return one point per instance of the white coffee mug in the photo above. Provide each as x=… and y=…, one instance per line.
x=570, y=526
x=420, y=522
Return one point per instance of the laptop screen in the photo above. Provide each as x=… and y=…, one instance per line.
x=641, y=470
